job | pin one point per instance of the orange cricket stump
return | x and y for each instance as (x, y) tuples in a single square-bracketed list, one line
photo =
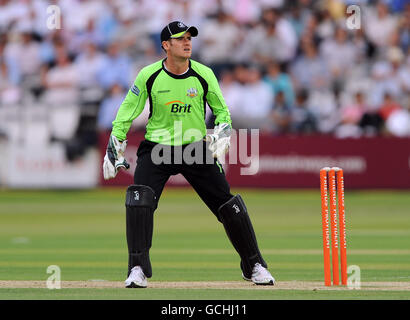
[(325, 224), (333, 224), (342, 225)]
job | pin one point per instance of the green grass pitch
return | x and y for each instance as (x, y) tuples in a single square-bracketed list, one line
[(83, 232)]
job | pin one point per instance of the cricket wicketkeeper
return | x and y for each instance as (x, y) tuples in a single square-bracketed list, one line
[(178, 90)]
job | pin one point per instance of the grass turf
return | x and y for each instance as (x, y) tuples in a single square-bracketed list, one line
[(83, 232)]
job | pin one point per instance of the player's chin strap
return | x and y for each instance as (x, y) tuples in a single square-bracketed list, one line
[(238, 226), (220, 140)]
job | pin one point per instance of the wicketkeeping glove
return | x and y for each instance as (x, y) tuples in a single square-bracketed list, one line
[(114, 158), (220, 140)]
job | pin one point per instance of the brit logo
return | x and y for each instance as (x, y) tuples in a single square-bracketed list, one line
[(135, 90), (136, 195), (192, 93), (181, 25), (237, 210)]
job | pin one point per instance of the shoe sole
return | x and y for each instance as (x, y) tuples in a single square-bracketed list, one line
[(270, 283), (134, 285)]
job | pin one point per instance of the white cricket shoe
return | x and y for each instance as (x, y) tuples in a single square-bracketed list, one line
[(136, 279), (261, 276)]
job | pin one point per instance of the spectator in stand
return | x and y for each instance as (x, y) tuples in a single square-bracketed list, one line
[(274, 39), (400, 72), (246, 12), (77, 14), (396, 119), (115, 68), (256, 100), (10, 92), (26, 14), (264, 44), (281, 115), (88, 64), (340, 56), (388, 106), (15, 15), (397, 6), (89, 34), (398, 123), (109, 107), (191, 12), (404, 30), (371, 123), (309, 71), (236, 86), (297, 20), (323, 103), (130, 28), (60, 82), (26, 51), (324, 27), (336, 9), (10, 64), (158, 13), (303, 121), (5, 18), (310, 29), (351, 114), (219, 39), (379, 25), (384, 79), (107, 22), (404, 76), (232, 91), (362, 48), (286, 34), (280, 81)]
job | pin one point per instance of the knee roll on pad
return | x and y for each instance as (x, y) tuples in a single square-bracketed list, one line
[(140, 196), (238, 226), (140, 204)]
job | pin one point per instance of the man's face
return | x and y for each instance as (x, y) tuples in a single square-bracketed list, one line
[(180, 47)]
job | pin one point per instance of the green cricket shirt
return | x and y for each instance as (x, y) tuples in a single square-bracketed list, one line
[(177, 104)]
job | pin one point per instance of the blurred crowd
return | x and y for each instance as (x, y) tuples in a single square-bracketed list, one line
[(285, 67)]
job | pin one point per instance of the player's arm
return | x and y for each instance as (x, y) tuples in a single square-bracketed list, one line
[(130, 108), (216, 100), (220, 139)]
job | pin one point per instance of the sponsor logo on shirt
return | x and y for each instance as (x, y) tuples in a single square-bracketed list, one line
[(135, 90), (179, 107)]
